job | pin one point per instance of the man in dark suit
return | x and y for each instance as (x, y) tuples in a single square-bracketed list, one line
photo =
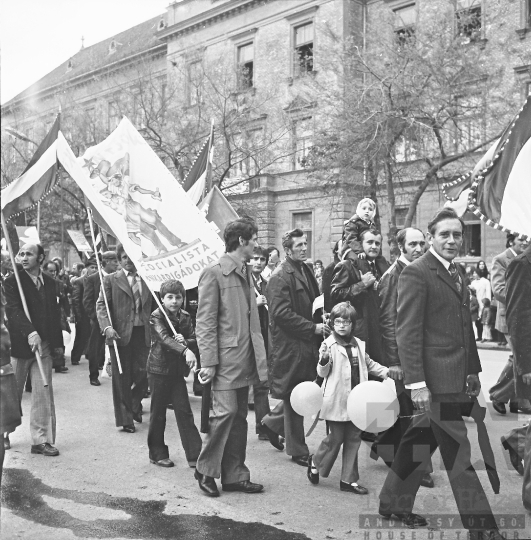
[(519, 325), (504, 390), (130, 305), (43, 334), (440, 360), (96, 344), (355, 280), (82, 320), (411, 242), (294, 339)]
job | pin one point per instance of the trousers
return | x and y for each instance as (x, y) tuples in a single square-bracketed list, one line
[(42, 412), (344, 434), (129, 388), (225, 445), (172, 389), (442, 427)]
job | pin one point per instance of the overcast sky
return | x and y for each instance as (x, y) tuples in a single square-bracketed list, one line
[(38, 35)]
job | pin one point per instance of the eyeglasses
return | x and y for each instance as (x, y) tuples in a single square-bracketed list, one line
[(341, 322)]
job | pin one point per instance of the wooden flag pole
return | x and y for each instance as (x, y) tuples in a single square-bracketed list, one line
[(21, 292), (91, 223)]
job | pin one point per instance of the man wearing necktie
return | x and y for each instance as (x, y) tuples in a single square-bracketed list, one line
[(232, 357), (441, 364), (130, 305), (42, 333), (355, 280)]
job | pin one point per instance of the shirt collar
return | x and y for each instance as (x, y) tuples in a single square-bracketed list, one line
[(36, 278), (403, 259), (444, 262), (237, 260)]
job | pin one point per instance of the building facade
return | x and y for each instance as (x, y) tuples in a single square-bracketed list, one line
[(253, 66)]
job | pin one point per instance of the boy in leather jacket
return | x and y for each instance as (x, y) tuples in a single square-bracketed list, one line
[(170, 359)]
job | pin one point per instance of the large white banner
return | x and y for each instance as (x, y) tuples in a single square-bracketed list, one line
[(149, 212)]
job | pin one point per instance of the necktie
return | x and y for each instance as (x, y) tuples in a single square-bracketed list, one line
[(373, 268), (244, 271), (455, 276), (136, 293), (39, 283)]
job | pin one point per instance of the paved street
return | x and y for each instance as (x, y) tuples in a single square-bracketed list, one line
[(103, 486)]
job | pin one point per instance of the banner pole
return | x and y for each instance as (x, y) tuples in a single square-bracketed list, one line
[(91, 223), (21, 292)]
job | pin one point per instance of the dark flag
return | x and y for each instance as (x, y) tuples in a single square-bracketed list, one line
[(38, 179)]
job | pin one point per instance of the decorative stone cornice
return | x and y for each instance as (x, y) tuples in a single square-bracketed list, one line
[(202, 20)]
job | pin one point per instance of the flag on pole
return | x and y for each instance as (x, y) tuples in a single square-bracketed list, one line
[(161, 229), (501, 193), (198, 178), (38, 179), (218, 210)]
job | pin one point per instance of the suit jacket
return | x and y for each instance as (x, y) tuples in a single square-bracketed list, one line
[(497, 279), (45, 317), (348, 286), (91, 293), (122, 307), (388, 293), (293, 345), (434, 329), (228, 326), (519, 317), (77, 299)]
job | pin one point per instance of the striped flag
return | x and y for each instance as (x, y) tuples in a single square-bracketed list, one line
[(38, 179), (501, 193), (197, 180)]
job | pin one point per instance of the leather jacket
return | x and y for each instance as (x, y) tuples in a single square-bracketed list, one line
[(164, 348)]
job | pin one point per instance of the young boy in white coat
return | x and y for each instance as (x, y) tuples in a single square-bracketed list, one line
[(343, 364)]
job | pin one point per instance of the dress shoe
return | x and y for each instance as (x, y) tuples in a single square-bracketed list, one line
[(516, 462), (368, 437), (263, 437), (137, 417), (274, 439), (515, 407), (300, 460), (46, 449), (357, 489), (75, 363), (427, 481), (245, 486), (95, 382), (62, 369), (313, 477), (169, 406), (207, 484), (485, 534), (129, 428), (7, 442), (499, 407), (162, 462), (408, 519)]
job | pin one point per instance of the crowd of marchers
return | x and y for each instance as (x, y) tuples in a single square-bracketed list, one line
[(257, 329)]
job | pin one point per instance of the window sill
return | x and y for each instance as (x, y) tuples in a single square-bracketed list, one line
[(522, 32), (294, 78), (251, 91)]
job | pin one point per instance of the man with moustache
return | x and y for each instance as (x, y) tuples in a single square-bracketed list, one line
[(411, 242), (96, 344), (355, 280), (43, 334), (438, 354), (130, 305)]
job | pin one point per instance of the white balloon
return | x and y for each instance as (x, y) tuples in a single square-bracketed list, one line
[(66, 338), (307, 398), (372, 406)]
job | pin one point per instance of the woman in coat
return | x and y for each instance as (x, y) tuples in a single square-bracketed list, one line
[(343, 364)]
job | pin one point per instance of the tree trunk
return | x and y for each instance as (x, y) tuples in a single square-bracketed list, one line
[(393, 230)]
